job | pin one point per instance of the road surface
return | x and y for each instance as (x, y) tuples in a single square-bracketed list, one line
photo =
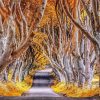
[(41, 85), (41, 89)]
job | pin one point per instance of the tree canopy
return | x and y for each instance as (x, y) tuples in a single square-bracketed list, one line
[(63, 34)]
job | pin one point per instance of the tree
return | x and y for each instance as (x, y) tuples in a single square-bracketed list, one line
[(12, 22)]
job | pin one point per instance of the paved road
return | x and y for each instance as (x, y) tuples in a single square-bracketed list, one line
[(41, 90), (46, 98), (41, 85)]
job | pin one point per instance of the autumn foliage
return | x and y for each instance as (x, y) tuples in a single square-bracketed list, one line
[(70, 90), (15, 89), (61, 34)]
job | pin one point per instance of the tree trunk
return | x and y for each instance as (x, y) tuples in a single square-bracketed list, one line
[(88, 70), (5, 75)]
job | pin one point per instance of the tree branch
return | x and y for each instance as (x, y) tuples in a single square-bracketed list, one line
[(95, 13), (89, 36), (24, 46)]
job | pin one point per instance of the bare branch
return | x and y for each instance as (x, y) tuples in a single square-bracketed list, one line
[(95, 13), (88, 35)]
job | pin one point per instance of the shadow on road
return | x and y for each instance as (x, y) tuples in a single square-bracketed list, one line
[(42, 81)]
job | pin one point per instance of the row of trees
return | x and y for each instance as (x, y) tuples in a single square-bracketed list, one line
[(19, 19), (73, 44), (71, 35)]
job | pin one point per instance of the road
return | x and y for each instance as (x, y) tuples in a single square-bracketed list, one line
[(41, 85), (41, 89)]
